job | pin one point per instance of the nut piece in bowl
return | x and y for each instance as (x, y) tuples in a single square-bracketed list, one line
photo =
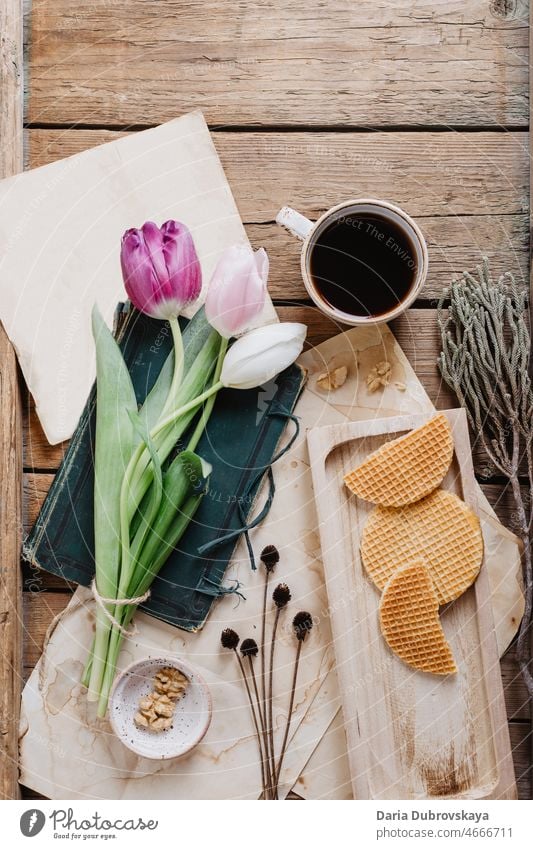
[(160, 708)]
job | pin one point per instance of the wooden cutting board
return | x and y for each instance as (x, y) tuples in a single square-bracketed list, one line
[(410, 735)]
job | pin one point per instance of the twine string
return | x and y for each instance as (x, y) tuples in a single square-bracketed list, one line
[(102, 603)]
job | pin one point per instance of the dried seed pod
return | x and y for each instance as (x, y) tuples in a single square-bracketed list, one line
[(302, 624), (249, 647), (229, 638), (281, 595), (270, 556)]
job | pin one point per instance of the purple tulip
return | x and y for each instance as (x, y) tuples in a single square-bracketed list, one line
[(237, 289), (161, 269)]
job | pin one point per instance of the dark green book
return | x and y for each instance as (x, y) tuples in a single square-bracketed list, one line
[(241, 440)]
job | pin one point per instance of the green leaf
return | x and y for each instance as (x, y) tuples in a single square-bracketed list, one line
[(166, 545), (156, 490), (186, 476), (195, 336), (115, 441)]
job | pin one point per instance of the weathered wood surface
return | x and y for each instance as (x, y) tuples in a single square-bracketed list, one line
[(280, 62), (11, 162), (468, 192)]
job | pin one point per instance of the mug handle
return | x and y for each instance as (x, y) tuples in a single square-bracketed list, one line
[(298, 225)]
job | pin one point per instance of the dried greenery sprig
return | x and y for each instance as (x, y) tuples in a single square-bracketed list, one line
[(485, 359)]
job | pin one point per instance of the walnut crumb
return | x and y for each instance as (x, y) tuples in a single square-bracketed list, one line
[(379, 376), (334, 379), (156, 710), (401, 387), (170, 682)]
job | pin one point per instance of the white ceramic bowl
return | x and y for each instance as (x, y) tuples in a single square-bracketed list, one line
[(192, 714)]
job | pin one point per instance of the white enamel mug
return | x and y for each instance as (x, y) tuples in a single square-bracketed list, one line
[(309, 232)]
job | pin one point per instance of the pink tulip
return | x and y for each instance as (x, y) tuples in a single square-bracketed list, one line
[(161, 269), (237, 290)]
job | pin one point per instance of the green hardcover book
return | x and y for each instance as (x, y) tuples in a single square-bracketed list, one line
[(242, 438)]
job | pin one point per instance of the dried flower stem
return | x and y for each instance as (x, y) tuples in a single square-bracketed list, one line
[(266, 786), (269, 559), (270, 723), (289, 715), (263, 664), (265, 750), (485, 360)]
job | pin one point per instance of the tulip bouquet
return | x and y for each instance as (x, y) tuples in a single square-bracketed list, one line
[(149, 480)]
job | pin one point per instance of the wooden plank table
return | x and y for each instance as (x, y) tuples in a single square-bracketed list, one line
[(422, 102), (11, 162)]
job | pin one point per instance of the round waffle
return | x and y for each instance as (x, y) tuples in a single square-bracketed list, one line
[(406, 469), (440, 530), (409, 618)]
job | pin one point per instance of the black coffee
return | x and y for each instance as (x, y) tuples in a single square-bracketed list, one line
[(364, 264)]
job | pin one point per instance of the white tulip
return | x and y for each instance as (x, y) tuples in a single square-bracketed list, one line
[(262, 353)]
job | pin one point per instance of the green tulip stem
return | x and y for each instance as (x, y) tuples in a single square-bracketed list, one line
[(210, 403), (125, 552), (195, 402), (139, 586), (167, 439), (138, 468), (179, 357)]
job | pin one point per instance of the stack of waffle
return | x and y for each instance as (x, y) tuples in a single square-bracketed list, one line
[(422, 546)]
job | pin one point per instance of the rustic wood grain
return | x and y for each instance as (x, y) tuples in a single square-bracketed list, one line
[(11, 162), (434, 174), (280, 63), (10, 578), (516, 695), (121, 64), (520, 733), (469, 193)]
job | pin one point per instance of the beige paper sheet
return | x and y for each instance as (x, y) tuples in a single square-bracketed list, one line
[(316, 764), (60, 232)]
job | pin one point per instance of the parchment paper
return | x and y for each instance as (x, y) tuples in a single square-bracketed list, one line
[(60, 232)]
